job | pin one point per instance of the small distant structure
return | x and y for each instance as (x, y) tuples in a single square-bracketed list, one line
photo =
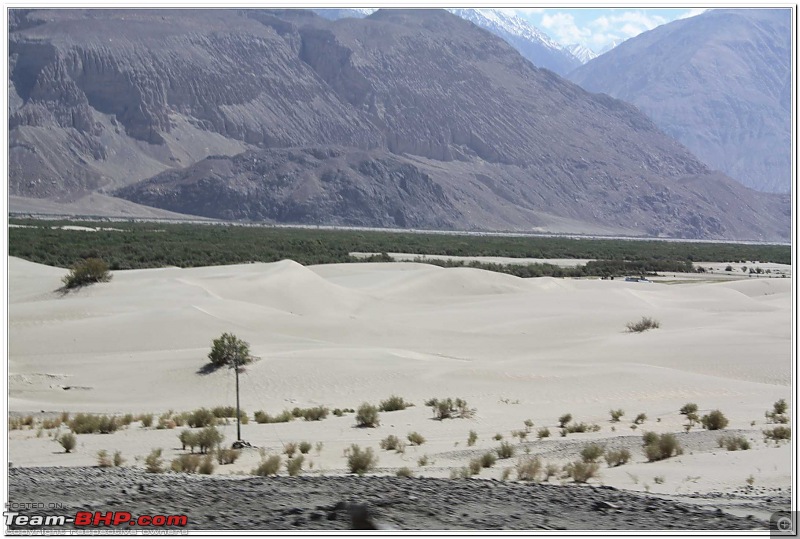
[(637, 280)]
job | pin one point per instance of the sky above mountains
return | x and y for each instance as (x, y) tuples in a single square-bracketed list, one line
[(599, 28)]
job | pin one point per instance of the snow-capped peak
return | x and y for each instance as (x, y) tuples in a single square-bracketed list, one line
[(580, 52), (501, 21)]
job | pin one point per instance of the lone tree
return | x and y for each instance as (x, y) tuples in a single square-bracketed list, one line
[(229, 350), (88, 271)]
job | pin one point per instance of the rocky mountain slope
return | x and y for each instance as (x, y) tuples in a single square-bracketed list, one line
[(719, 82), (404, 118)]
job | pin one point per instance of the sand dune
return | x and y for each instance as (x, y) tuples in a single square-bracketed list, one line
[(340, 335)]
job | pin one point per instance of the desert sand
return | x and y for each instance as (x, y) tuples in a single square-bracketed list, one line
[(340, 335)]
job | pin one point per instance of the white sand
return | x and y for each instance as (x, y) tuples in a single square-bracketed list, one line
[(339, 335)]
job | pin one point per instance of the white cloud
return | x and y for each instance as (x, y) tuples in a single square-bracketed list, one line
[(617, 27), (693, 13), (563, 28)]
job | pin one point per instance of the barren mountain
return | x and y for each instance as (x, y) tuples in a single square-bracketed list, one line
[(719, 82), (404, 118)]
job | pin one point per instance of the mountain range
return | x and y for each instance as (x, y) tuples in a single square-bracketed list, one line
[(719, 82), (404, 118)]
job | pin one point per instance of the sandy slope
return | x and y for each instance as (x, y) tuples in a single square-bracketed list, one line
[(339, 335)]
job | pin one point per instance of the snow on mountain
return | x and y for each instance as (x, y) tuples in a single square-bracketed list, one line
[(580, 52), (531, 42)]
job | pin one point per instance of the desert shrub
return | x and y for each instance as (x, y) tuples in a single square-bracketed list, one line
[(85, 272), (393, 404), (153, 463), (68, 441), (390, 443), (295, 465), (126, 420), (714, 420), (208, 439), (521, 434), (642, 325), (475, 466), (662, 447), (118, 460), (201, 418), (367, 416), (227, 456), (461, 473), (223, 411), (404, 472), (103, 459), (416, 438), (780, 407), (187, 438), (262, 417), (778, 433), (580, 471), (592, 452), (641, 418), (268, 466), (206, 466), (733, 443), (472, 438), (550, 470), (89, 423), (338, 412), (778, 413), (51, 423), (449, 408), (617, 457), (304, 447), (505, 451), (529, 468), (649, 437), (564, 419), (688, 408), (497, 437), (616, 414), (290, 448), (227, 350), (488, 459), (543, 433), (317, 413), (185, 464), (165, 424), (579, 427), (361, 461), (423, 460)]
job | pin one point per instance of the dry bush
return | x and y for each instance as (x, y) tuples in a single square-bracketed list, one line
[(404, 472), (580, 471), (317, 413), (564, 419), (475, 466), (714, 420), (505, 451), (551, 470), (461, 473), (616, 414), (118, 460), (185, 464), (662, 447), (488, 459), (733, 443), (529, 468), (423, 460), (688, 408), (227, 456), (153, 463), (85, 272), (450, 408), (262, 417), (592, 452), (90, 423), (268, 466), (394, 403), (778, 433), (361, 461), (290, 448), (642, 325), (103, 459), (295, 465), (473, 437), (208, 439), (367, 416), (206, 466), (416, 438), (199, 418), (68, 441), (147, 420), (390, 443), (617, 457), (543, 433), (778, 413)]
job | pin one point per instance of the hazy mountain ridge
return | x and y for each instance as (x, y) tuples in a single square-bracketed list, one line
[(422, 119), (719, 82)]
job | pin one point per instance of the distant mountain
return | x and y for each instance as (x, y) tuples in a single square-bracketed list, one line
[(335, 14), (405, 118), (719, 82), (580, 52), (531, 42)]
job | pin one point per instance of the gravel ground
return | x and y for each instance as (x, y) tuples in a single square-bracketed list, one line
[(345, 502)]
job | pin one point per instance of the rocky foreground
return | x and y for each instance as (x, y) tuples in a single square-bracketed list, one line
[(348, 502)]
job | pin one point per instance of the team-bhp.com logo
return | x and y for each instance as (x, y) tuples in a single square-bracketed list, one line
[(89, 519)]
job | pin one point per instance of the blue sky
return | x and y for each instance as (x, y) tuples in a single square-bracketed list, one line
[(596, 28)]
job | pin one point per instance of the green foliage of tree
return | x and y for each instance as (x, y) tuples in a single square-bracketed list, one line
[(228, 350)]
